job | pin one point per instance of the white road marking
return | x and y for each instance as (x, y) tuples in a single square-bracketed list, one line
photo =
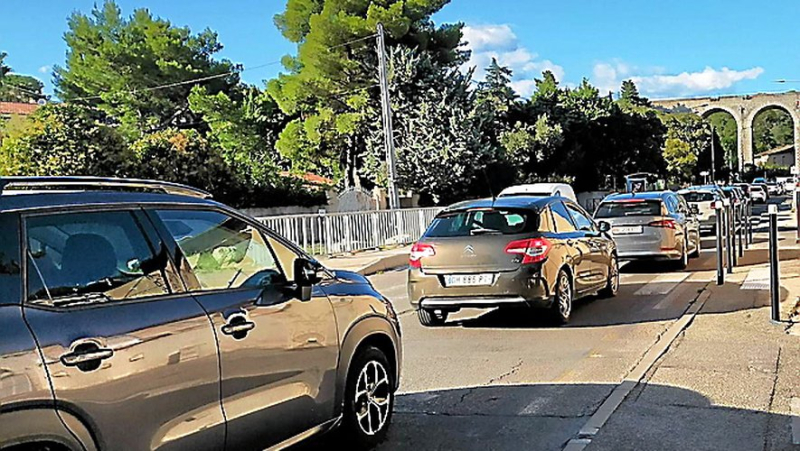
[(629, 382), (757, 279), (795, 406), (662, 284)]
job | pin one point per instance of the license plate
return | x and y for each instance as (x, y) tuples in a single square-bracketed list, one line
[(630, 230), (468, 280)]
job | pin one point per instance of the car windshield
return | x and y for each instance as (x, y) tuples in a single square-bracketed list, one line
[(631, 207), (484, 221), (698, 196)]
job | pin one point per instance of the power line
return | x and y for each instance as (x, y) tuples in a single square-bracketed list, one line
[(212, 77)]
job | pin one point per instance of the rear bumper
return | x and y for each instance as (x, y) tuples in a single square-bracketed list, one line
[(525, 286)]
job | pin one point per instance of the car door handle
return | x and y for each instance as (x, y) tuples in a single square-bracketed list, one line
[(81, 357), (239, 328)]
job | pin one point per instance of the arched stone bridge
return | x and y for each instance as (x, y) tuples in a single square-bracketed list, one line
[(744, 110)]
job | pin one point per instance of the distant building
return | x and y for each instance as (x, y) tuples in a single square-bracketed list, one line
[(779, 156), (8, 109)]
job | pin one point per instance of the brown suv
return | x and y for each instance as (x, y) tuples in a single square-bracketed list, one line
[(536, 251), (164, 320)]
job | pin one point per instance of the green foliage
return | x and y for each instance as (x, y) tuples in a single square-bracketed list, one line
[(112, 62), (63, 139), (771, 129), (4, 69), (244, 130), (330, 82), (688, 138), (727, 130), (20, 88)]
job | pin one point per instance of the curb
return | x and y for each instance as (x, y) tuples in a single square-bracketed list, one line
[(383, 264)]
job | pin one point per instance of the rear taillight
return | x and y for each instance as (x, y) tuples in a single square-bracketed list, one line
[(664, 223), (534, 250), (418, 252)]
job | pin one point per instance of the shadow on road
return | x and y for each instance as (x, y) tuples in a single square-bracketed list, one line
[(547, 416)]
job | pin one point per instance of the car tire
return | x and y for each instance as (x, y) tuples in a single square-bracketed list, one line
[(368, 403), (430, 318), (612, 284), (684, 260), (561, 308), (696, 252)]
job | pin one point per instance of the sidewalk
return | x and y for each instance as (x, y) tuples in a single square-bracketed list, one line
[(730, 381), (369, 262)]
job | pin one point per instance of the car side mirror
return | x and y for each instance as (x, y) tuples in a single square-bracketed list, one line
[(306, 275), (604, 226)]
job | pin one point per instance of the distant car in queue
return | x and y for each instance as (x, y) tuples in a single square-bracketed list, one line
[(656, 225), (543, 252), (702, 201)]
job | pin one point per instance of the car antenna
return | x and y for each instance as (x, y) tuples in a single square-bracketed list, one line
[(488, 185)]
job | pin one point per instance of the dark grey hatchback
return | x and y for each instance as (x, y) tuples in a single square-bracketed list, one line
[(166, 321)]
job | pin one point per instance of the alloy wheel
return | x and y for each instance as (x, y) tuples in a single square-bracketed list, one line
[(564, 296), (372, 398)]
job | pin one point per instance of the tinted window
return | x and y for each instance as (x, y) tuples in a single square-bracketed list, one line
[(9, 259), (546, 219), (699, 196), (474, 222), (91, 257), (635, 207), (562, 218), (223, 252), (580, 219)]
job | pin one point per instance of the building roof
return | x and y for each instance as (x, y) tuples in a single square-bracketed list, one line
[(789, 148), (17, 108)]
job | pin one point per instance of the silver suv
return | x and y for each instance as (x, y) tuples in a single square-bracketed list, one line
[(164, 320)]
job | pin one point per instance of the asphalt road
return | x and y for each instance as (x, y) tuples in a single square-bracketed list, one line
[(508, 380)]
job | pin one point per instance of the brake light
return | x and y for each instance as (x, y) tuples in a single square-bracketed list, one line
[(534, 250), (418, 252), (664, 223)]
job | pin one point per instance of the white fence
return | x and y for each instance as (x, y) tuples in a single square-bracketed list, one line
[(336, 233)]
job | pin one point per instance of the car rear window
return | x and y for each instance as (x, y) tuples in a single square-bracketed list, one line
[(624, 208), (483, 221), (698, 196)]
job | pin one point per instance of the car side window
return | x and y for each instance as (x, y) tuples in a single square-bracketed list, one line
[(546, 221), (583, 222), (222, 251), (91, 257), (562, 218), (9, 259)]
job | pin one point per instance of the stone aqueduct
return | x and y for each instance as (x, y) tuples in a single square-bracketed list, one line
[(744, 110)]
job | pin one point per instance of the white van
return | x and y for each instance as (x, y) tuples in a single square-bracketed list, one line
[(540, 189)]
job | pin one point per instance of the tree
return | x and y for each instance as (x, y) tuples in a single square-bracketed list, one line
[(244, 128), (687, 147), (64, 140), (771, 129), (113, 64), (331, 80), (629, 95), (16, 87), (443, 149)]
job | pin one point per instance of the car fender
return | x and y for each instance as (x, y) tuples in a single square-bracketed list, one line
[(366, 328), (36, 424)]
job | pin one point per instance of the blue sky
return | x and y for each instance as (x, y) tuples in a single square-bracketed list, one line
[(670, 48)]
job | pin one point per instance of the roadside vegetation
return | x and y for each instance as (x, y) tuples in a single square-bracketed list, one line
[(455, 137)]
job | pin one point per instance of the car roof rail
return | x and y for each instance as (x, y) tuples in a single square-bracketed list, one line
[(100, 182)]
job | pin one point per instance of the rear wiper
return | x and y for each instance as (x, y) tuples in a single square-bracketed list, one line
[(483, 231)]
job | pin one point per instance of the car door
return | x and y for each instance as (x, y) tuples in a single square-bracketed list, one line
[(125, 347), (278, 353), (599, 249), (579, 246)]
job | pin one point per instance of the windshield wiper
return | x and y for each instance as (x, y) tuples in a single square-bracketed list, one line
[(483, 231)]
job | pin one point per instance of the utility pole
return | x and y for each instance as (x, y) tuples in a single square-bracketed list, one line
[(388, 132)]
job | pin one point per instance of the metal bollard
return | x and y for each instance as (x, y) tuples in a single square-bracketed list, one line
[(740, 234), (719, 229), (774, 273), (734, 254), (727, 230)]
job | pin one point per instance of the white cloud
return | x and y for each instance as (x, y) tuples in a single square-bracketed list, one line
[(499, 41), (45, 69), (654, 82)]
